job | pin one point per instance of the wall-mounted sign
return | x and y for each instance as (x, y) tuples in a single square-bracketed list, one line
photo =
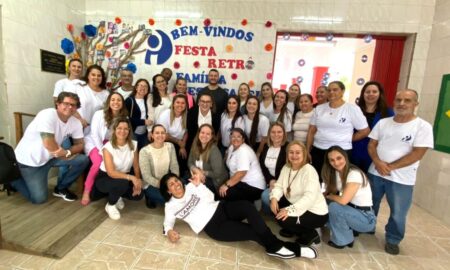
[(53, 62)]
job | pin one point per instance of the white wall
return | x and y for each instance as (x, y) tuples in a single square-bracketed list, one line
[(27, 27)]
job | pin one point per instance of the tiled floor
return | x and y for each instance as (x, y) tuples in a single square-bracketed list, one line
[(136, 242)]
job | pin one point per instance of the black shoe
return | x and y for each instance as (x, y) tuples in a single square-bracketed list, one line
[(308, 242), (392, 249), (332, 244), (286, 233), (65, 194), (282, 253), (355, 233)]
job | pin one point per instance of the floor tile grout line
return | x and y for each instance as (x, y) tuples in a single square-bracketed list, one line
[(186, 263)]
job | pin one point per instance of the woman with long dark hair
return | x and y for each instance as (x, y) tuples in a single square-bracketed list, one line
[(256, 125), (159, 100), (230, 119)]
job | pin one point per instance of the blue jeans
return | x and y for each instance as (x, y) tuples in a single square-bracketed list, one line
[(265, 202), (153, 194), (34, 182), (343, 219), (62, 170), (399, 199)]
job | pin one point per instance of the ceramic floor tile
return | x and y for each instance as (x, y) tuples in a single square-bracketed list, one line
[(37, 262), (200, 264), (12, 259), (160, 243), (250, 253), (131, 236), (317, 264), (421, 247), (444, 243), (117, 255), (210, 249), (387, 261), (159, 260)]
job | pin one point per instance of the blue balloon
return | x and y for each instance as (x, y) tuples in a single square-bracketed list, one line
[(90, 30), (131, 67), (67, 46)]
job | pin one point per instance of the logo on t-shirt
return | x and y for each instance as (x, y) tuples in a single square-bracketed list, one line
[(189, 207), (407, 138), (342, 120)]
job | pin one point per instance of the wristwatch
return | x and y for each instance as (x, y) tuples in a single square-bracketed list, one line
[(68, 154)]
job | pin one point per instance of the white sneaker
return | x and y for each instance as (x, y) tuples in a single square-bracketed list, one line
[(112, 211), (282, 253), (308, 252), (120, 204)]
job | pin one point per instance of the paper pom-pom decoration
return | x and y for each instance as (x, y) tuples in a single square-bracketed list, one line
[(77, 39), (176, 65), (99, 46), (251, 83), (151, 21), (268, 47), (234, 76), (360, 81), (207, 22), (118, 20), (229, 48), (268, 24), (448, 113), (67, 46), (269, 75), (244, 22), (131, 67), (108, 85), (329, 37), (196, 64), (301, 62), (70, 27), (76, 55), (83, 35), (368, 38), (107, 54), (90, 30), (178, 22), (126, 45), (110, 39), (101, 29), (364, 58)]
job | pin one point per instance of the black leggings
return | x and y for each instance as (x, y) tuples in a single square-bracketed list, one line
[(226, 225), (303, 226), (113, 188), (243, 191)]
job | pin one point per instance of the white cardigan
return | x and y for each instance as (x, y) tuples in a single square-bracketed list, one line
[(97, 134)]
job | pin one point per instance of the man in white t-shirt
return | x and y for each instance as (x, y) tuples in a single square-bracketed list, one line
[(126, 79), (167, 74), (40, 149), (396, 147)]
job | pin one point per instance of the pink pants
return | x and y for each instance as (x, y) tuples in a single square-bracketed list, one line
[(96, 160)]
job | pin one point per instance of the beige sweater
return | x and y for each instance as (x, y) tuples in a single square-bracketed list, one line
[(148, 159), (305, 191)]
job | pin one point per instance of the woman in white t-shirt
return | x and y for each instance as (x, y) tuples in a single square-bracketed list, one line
[(155, 160), (92, 95), (70, 83), (333, 123), (159, 100), (99, 134), (266, 97), (350, 198), (246, 178), (302, 117), (113, 180), (256, 125), (136, 104), (174, 120), (294, 93), (230, 119), (280, 111)]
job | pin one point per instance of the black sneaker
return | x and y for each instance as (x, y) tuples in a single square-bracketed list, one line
[(282, 253), (65, 194), (392, 249)]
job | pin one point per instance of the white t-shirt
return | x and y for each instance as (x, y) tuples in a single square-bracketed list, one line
[(141, 129), (66, 85), (287, 120), (196, 208), (207, 119), (301, 125), (244, 159), (124, 93), (98, 133), (175, 129), (291, 107), (225, 127), (31, 151), (363, 196), (335, 125), (395, 140), (271, 159), (91, 101), (267, 111), (263, 126), (123, 157)]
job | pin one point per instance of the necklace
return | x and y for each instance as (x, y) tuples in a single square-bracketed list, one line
[(290, 181)]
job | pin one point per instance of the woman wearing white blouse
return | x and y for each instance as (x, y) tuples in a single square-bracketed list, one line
[(230, 119), (302, 117), (159, 100), (266, 106)]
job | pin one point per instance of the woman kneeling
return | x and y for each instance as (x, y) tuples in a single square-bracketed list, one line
[(222, 221)]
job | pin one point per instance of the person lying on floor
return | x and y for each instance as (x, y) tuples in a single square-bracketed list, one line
[(222, 221)]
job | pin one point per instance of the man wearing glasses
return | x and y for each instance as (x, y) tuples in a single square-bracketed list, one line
[(40, 149)]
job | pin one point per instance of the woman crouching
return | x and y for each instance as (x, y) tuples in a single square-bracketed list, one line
[(222, 221)]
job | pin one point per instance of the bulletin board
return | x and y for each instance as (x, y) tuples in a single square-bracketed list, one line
[(442, 121)]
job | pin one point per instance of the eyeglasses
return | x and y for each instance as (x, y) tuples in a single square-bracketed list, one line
[(68, 104)]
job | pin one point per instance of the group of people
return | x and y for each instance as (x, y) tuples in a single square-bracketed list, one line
[(313, 161)]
